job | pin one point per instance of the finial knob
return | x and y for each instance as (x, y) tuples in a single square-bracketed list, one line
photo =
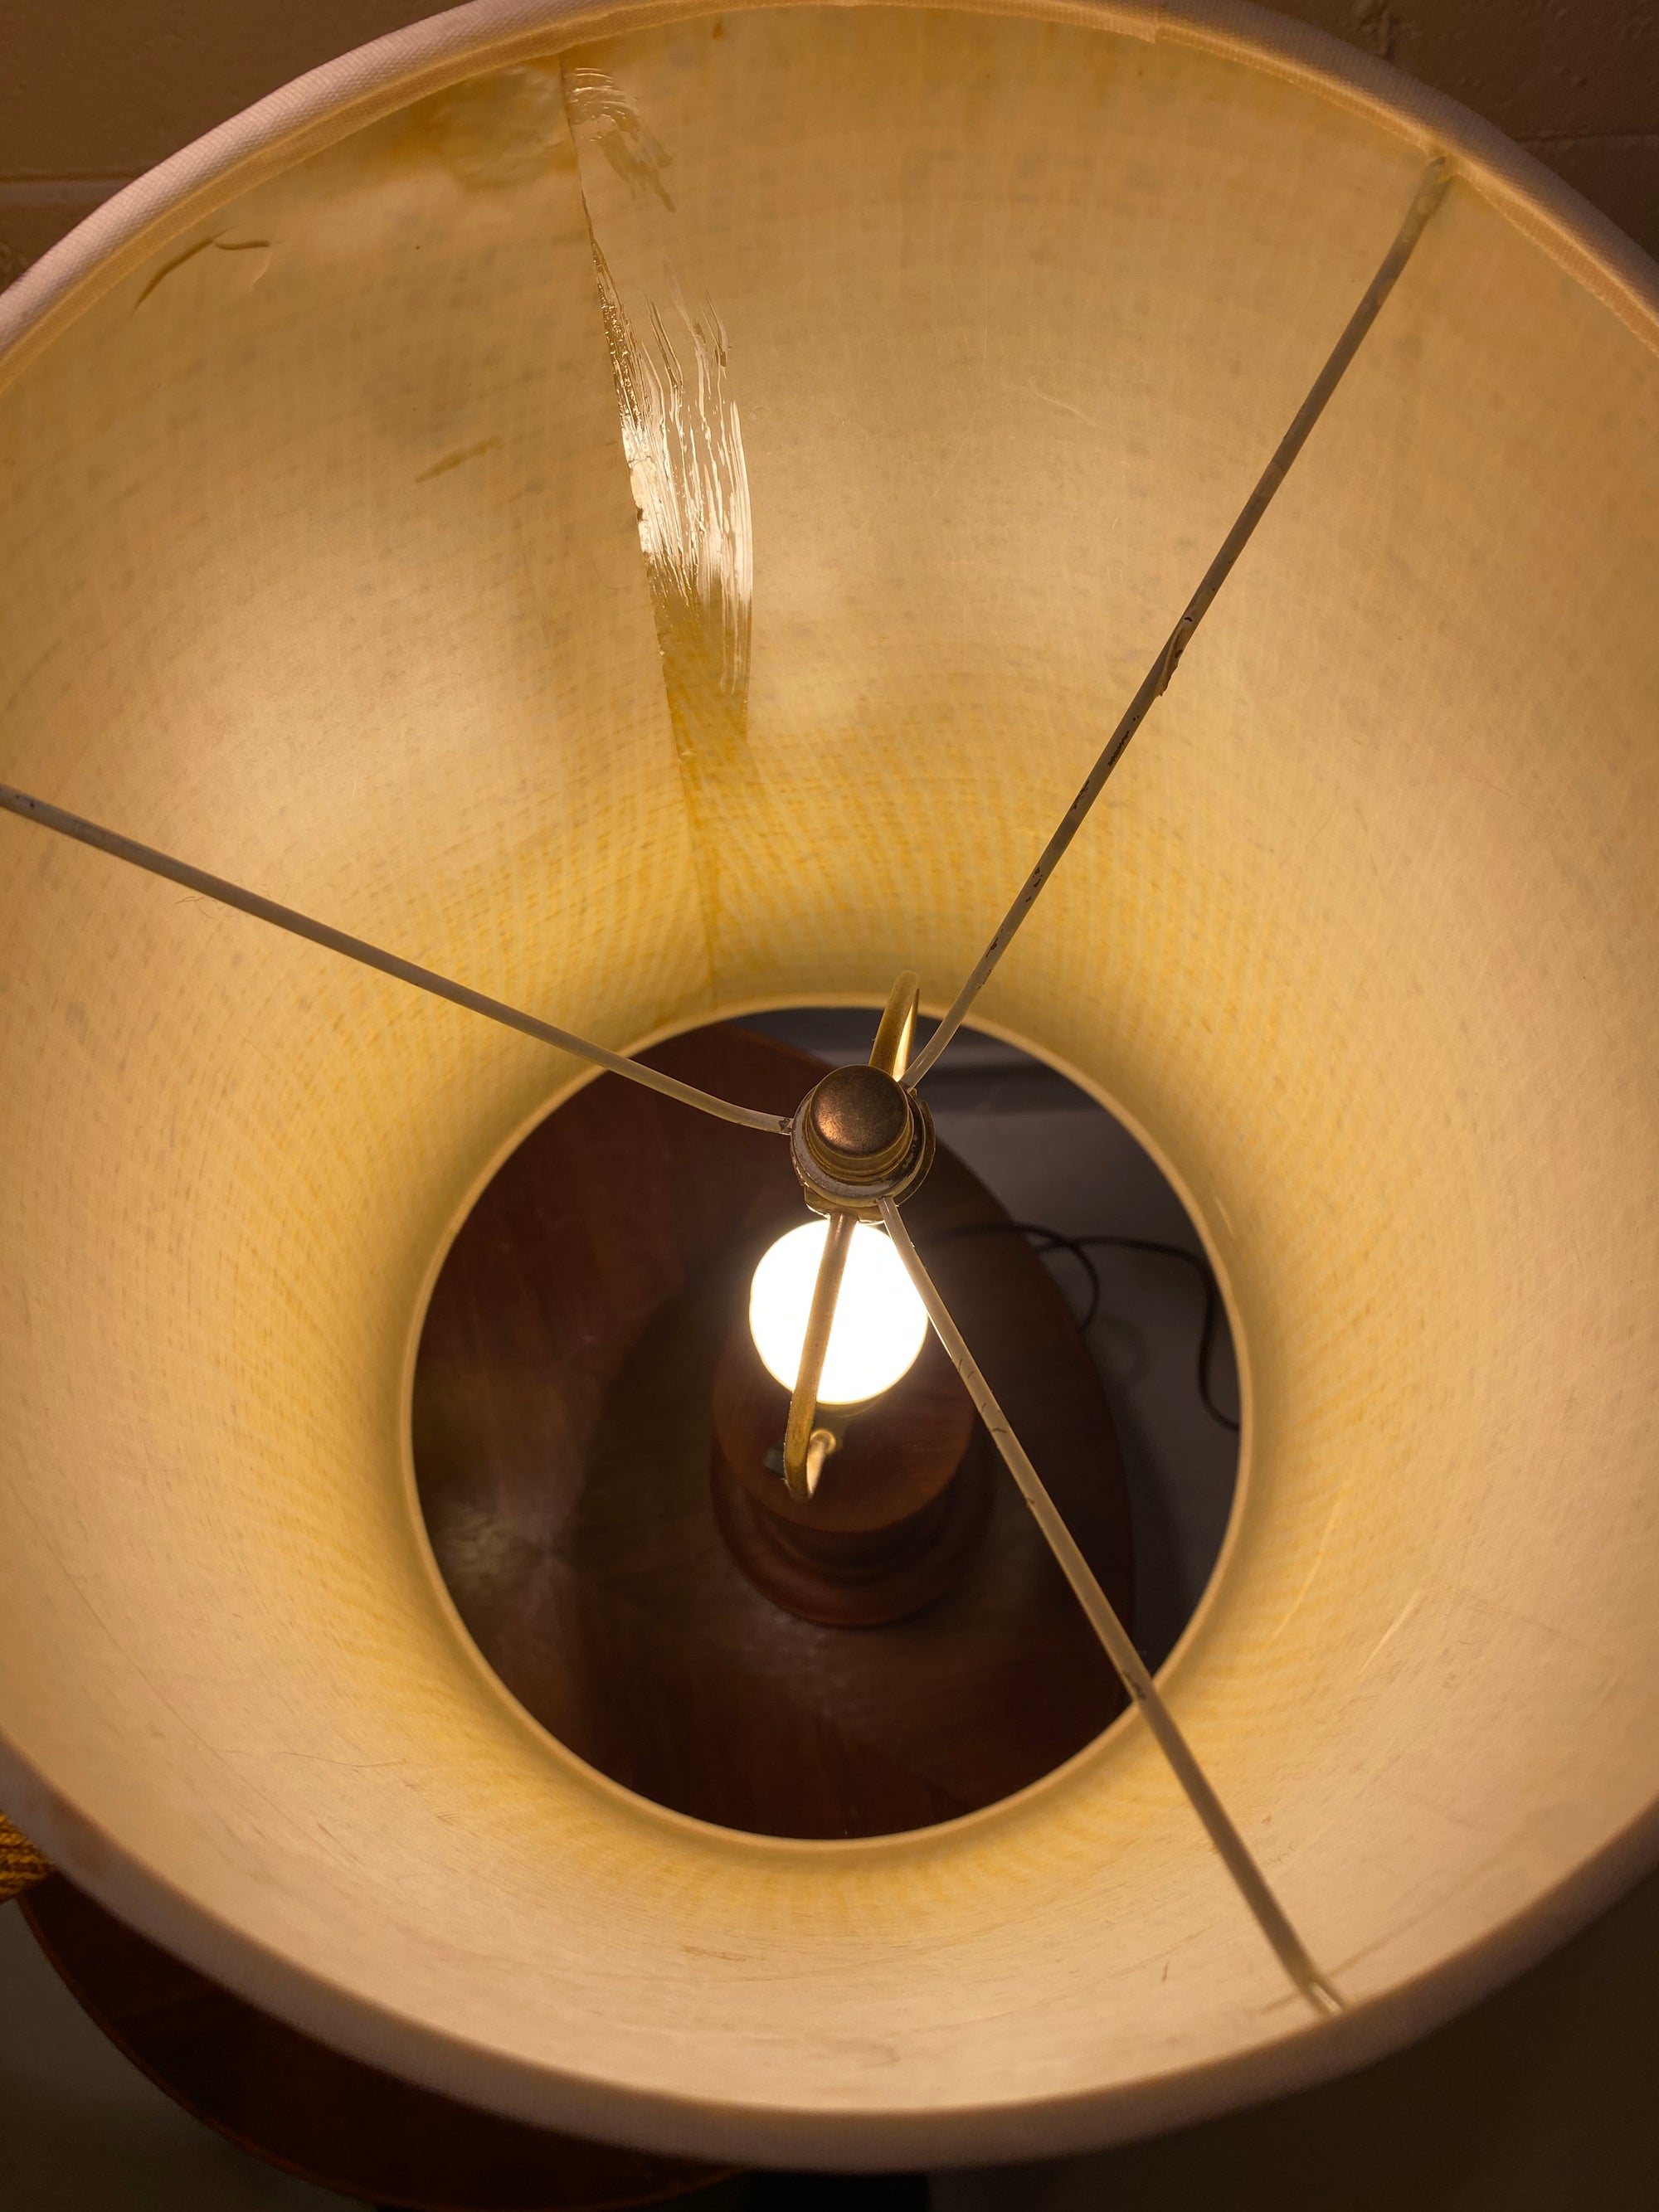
[(858, 1124), (859, 1137)]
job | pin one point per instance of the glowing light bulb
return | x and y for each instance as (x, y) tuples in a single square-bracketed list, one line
[(880, 1322)]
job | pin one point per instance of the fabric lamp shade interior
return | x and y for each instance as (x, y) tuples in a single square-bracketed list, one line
[(653, 514)]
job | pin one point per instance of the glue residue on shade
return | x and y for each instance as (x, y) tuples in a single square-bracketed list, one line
[(598, 108), (494, 131), (683, 444), (680, 427), (681, 441)]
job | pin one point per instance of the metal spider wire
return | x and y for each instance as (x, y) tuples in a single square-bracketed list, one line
[(1235, 1853), (1430, 191)]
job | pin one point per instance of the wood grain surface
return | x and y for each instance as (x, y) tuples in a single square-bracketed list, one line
[(291, 2101)]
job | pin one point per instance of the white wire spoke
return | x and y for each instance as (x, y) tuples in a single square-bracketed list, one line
[(1156, 682), (370, 956), (1235, 1854)]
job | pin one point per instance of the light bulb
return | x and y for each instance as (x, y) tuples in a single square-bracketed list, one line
[(880, 1322)]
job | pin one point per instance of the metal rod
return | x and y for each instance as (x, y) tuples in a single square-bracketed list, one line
[(1156, 682), (820, 1319), (890, 1052), (1235, 1854), (370, 956)]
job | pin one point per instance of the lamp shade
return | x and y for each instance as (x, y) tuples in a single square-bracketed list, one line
[(653, 514)]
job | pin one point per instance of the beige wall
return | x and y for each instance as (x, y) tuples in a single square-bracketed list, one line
[(92, 91)]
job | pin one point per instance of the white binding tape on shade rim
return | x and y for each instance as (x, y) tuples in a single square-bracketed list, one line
[(342, 96)]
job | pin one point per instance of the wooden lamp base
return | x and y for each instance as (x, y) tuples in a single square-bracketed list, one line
[(331, 2120), (903, 1651), (903, 1500), (855, 1582)]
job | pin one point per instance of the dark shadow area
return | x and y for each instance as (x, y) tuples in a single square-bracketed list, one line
[(1541, 2099), (838, 2192)]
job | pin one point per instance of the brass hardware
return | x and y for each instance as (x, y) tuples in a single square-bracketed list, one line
[(854, 1184), (857, 1126), (804, 1398), (819, 1445), (857, 1138), (890, 1052)]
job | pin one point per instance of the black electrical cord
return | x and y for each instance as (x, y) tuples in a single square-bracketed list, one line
[(1057, 1240)]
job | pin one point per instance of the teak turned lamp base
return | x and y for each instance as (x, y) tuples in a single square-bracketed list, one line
[(903, 1500), (899, 1652), (333, 2120)]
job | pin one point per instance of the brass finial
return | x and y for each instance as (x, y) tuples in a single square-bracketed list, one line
[(858, 1137)]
